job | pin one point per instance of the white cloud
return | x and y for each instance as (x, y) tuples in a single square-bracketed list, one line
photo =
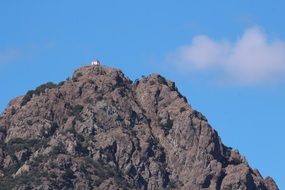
[(252, 59)]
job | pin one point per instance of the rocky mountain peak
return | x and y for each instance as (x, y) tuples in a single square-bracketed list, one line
[(100, 130), (99, 71)]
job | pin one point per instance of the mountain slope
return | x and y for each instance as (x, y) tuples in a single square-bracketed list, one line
[(99, 130)]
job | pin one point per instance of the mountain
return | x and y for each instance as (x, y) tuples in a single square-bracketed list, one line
[(100, 130)]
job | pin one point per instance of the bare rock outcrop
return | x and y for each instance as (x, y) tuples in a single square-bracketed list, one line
[(100, 130)]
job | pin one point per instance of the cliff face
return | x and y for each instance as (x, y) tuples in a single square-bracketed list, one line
[(99, 130)]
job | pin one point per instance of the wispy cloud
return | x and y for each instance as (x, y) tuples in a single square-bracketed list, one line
[(24, 52), (251, 59), (8, 55)]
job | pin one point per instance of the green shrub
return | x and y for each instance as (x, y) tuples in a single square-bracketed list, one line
[(98, 182), (182, 109), (61, 83), (28, 142), (40, 89), (58, 149), (169, 124), (53, 175), (17, 144), (171, 185), (13, 110), (3, 130), (39, 158), (81, 149), (29, 122), (27, 97), (83, 169), (68, 174), (77, 109), (53, 164), (39, 143), (49, 131)]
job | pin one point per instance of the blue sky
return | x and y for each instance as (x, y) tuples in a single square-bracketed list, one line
[(226, 57)]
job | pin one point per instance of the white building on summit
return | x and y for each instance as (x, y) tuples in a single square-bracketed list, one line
[(95, 62)]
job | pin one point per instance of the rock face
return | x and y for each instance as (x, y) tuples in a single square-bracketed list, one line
[(100, 130)]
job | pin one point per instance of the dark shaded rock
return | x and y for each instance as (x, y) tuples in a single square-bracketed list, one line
[(270, 183)]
